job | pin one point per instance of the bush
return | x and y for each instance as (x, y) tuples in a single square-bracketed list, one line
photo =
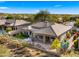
[(25, 44), (3, 39), (55, 44), (76, 44), (68, 34), (4, 52)]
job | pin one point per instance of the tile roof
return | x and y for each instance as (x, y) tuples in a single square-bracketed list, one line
[(60, 28)]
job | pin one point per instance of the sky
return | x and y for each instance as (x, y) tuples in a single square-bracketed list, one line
[(32, 7)]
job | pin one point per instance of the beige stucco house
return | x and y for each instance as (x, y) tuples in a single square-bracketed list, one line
[(46, 32), (17, 24)]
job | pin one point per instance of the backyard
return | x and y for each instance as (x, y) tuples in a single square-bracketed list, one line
[(15, 48)]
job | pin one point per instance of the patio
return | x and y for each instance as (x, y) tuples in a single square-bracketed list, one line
[(38, 44)]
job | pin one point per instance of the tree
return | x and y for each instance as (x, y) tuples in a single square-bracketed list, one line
[(43, 15), (75, 44), (64, 44), (9, 17), (77, 23), (75, 37), (66, 18), (55, 44)]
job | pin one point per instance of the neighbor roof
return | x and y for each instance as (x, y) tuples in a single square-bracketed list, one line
[(20, 22), (2, 22), (69, 23)]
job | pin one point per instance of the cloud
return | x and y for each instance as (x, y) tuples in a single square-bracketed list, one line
[(58, 5), (2, 1), (4, 8)]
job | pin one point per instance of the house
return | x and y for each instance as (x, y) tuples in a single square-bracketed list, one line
[(3, 17), (69, 23), (2, 22), (16, 25), (46, 32)]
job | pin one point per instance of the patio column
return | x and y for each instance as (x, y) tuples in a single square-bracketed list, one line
[(44, 38), (33, 35)]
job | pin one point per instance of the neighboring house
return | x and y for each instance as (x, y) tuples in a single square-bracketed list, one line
[(2, 17), (16, 25), (2, 22), (46, 32), (70, 24), (73, 18)]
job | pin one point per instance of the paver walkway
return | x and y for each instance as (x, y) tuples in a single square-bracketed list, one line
[(70, 42)]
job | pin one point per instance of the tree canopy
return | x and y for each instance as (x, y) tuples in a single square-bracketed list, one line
[(9, 17), (43, 15)]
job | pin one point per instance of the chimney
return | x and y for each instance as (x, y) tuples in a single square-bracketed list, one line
[(47, 24)]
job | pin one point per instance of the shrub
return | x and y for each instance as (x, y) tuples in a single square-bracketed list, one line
[(55, 44), (64, 44), (25, 44), (68, 34), (4, 52), (75, 43)]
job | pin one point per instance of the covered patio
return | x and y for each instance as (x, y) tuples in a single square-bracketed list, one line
[(44, 35), (43, 38)]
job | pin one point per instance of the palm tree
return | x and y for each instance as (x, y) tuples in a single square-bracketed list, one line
[(43, 15)]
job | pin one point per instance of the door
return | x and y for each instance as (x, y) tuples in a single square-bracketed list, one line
[(47, 39)]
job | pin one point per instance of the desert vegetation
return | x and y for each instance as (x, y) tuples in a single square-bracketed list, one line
[(14, 48), (42, 15)]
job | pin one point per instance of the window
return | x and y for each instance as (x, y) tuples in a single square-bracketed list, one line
[(41, 37), (14, 28)]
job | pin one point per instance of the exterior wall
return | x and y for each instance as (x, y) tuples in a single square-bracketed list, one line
[(42, 38)]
